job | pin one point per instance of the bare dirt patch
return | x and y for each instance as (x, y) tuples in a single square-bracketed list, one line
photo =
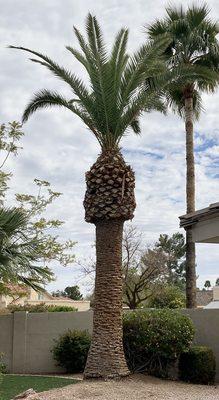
[(135, 387)]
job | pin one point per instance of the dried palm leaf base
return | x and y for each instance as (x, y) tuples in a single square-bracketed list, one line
[(110, 189)]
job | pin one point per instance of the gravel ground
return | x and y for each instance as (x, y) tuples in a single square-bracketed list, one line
[(136, 387)]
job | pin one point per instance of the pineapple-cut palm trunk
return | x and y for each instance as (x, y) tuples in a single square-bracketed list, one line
[(109, 201), (190, 201), (106, 356)]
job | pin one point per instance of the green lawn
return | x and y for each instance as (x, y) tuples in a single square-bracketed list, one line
[(11, 385)]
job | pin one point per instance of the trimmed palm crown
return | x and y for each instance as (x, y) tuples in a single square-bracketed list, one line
[(194, 46), (118, 92)]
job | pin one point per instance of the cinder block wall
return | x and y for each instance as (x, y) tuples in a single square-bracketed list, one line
[(6, 339), (26, 339), (206, 323)]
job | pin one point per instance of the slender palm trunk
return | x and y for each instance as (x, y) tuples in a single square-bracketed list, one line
[(190, 202), (106, 356)]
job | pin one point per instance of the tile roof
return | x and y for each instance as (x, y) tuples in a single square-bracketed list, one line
[(204, 297)]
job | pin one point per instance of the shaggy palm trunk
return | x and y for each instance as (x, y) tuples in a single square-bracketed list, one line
[(190, 201), (109, 201), (106, 357)]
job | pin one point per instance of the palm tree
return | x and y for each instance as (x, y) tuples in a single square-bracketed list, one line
[(193, 47), (118, 93), (18, 255)]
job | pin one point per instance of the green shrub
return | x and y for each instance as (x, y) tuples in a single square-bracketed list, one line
[(168, 297), (197, 365), (3, 368), (71, 349), (154, 339), (42, 307), (52, 308)]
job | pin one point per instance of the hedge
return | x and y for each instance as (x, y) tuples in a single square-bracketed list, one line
[(198, 365), (154, 339)]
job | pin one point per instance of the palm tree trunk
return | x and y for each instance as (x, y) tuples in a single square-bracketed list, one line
[(190, 202), (106, 356), (109, 201)]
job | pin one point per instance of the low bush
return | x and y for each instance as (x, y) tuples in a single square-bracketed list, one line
[(169, 296), (3, 369), (52, 308), (154, 339), (42, 307), (71, 349), (197, 365)]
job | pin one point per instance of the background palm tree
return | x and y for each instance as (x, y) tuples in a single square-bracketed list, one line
[(118, 93), (18, 255), (193, 47)]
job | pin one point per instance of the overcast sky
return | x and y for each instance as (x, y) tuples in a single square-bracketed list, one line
[(58, 148)]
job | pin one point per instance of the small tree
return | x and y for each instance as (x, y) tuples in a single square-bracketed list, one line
[(207, 284), (10, 134), (217, 282), (50, 247), (169, 296), (142, 269), (72, 292), (25, 224), (174, 249), (146, 270), (18, 250)]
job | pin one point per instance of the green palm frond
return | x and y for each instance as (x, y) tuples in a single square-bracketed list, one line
[(78, 56), (135, 125), (95, 40), (11, 221), (158, 28), (118, 61), (75, 83), (175, 99), (118, 90), (145, 63), (18, 253), (197, 14), (175, 13)]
